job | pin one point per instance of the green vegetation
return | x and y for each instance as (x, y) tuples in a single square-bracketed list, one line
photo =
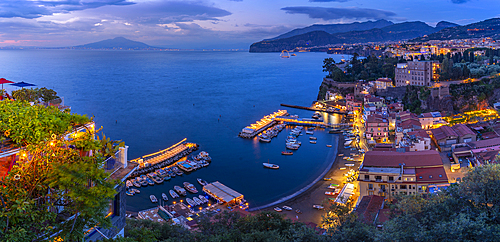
[(411, 100), (53, 188), (467, 65), (468, 96), (35, 95), (370, 68)]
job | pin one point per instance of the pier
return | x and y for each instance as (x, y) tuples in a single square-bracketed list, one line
[(310, 122), (313, 109), (261, 125)]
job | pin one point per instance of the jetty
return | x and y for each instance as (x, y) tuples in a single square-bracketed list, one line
[(261, 125), (314, 109)]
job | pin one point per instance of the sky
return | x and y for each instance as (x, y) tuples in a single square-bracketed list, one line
[(207, 24)]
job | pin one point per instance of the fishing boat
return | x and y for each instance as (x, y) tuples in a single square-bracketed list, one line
[(129, 193), (164, 196), (197, 201), (190, 202), (203, 199), (286, 153), (180, 190), (271, 166), (190, 187), (135, 190), (153, 198), (278, 209), (173, 194), (319, 207), (202, 182), (312, 141), (287, 208)]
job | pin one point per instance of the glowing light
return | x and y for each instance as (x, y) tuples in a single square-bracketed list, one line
[(174, 202)]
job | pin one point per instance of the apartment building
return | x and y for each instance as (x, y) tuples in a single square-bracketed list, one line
[(416, 73)]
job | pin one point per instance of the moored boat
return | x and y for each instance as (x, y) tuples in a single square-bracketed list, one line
[(173, 194), (136, 183), (129, 193), (128, 183), (203, 199), (278, 209), (312, 141), (190, 187), (318, 207), (286, 153), (202, 182), (164, 196), (328, 146), (150, 181), (287, 208), (313, 138), (153, 198), (190, 202), (180, 190), (271, 166), (135, 190), (197, 201)]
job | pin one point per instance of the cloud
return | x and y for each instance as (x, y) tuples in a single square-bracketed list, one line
[(325, 1), (35, 9), (459, 1), (340, 13)]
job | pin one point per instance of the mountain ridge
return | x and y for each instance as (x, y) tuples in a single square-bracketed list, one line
[(116, 43)]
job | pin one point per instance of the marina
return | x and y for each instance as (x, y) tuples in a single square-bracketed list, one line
[(259, 126)]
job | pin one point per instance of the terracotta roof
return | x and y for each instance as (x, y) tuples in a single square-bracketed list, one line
[(462, 130), (426, 115), (427, 158), (484, 143), (376, 118), (410, 124), (369, 207), (431, 175), (419, 133), (444, 132)]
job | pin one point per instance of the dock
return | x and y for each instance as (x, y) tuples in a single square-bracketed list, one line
[(310, 122), (312, 109), (261, 125)]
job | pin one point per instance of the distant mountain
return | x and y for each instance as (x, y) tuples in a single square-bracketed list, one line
[(394, 32), (336, 28), (444, 24), (486, 28), (116, 43)]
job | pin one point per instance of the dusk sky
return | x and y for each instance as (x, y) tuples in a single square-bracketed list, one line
[(209, 23)]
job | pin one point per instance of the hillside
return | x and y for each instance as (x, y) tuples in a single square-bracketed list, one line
[(336, 28), (116, 43), (486, 28), (395, 32)]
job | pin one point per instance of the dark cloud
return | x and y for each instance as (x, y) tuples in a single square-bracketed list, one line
[(340, 13), (35, 9), (459, 1), (324, 1)]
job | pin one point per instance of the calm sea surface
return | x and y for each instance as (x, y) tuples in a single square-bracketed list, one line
[(152, 99)]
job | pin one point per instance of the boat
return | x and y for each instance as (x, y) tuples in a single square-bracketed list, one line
[(265, 140), (313, 138), (153, 198), (330, 193), (292, 147), (136, 183), (309, 132), (312, 141), (327, 179), (190, 187), (173, 194), (177, 171), (341, 155), (190, 202), (143, 181), (328, 146), (197, 201), (129, 193), (158, 179), (164, 196), (202, 182), (129, 183), (298, 211), (135, 190), (284, 54), (319, 207), (278, 209), (150, 181), (287, 208), (203, 199), (286, 153), (271, 166), (293, 55), (180, 190)]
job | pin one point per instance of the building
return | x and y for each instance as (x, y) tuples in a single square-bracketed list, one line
[(378, 102), (416, 73), (388, 173), (376, 127), (431, 120), (353, 105), (446, 136), (383, 83)]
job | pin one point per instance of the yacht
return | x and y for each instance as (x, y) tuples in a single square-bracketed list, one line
[(190, 187)]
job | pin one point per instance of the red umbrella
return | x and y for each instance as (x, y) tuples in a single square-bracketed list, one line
[(4, 81)]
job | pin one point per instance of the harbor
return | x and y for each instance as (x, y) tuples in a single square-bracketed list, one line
[(261, 125)]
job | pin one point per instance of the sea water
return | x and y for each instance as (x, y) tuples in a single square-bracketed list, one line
[(153, 99)]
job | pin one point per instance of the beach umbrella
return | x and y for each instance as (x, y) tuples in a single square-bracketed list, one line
[(23, 84), (4, 81)]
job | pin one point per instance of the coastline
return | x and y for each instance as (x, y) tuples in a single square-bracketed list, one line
[(309, 186)]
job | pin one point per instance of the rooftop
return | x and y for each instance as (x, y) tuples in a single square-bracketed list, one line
[(428, 158), (432, 175), (369, 207), (444, 132), (462, 130)]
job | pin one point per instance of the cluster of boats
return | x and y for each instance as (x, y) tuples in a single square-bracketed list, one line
[(287, 208), (203, 159), (182, 191), (270, 133), (291, 141), (197, 200)]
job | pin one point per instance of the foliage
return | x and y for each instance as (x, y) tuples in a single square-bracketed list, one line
[(344, 225), (411, 100), (52, 188), (35, 95), (370, 68)]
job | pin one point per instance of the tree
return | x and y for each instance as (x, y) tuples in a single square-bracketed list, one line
[(471, 56), (329, 66)]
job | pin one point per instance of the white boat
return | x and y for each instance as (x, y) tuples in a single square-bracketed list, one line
[(312, 141), (309, 132), (287, 208), (129, 192), (271, 166), (197, 201), (173, 194), (203, 199), (278, 209), (190, 202), (153, 199), (135, 190), (313, 138), (129, 183), (318, 207), (202, 182), (164, 196)]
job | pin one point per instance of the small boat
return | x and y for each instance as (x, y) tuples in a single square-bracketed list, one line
[(341, 155), (271, 166), (135, 190), (287, 208), (164, 196), (153, 199), (328, 146), (293, 55), (327, 179), (298, 211), (313, 138), (180, 190), (286, 153), (330, 193), (265, 140), (129, 193), (190, 187), (150, 181), (319, 207), (309, 132), (136, 183), (333, 186), (128, 183), (203, 199), (312, 141), (278, 209), (202, 182), (190, 202), (197, 201), (173, 194)]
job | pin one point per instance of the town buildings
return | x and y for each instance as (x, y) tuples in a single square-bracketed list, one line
[(445, 136), (383, 83), (416, 73)]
